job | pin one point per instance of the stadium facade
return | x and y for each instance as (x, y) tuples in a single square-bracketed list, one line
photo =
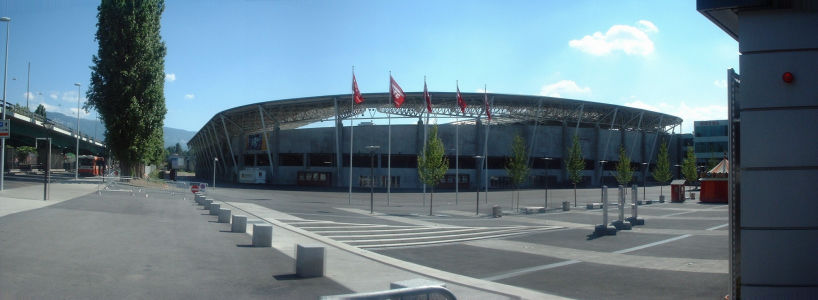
[(247, 138)]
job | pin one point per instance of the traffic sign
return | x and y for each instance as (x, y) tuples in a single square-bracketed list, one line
[(5, 129), (194, 188)]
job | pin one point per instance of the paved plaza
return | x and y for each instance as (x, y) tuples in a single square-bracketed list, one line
[(126, 242)]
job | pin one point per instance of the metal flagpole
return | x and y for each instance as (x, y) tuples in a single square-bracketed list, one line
[(425, 126), (389, 163), (351, 133), (486, 153), (456, 160)]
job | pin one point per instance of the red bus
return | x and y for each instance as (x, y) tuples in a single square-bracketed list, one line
[(90, 165)]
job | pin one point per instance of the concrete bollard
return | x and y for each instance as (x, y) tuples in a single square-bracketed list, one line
[(604, 229), (621, 203), (206, 203), (634, 200), (224, 215), (309, 261), (262, 235), (239, 224), (214, 209)]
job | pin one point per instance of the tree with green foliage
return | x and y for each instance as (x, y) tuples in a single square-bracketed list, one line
[(40, 111), (127, 81), (689, 166), (624, 173), (517, 166), (23, 152), (662, 170), (432, 163), (575, 165)]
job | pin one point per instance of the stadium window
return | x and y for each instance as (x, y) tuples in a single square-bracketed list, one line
[(249, 160), (261, 160), (497, 162), (322, 159), (291, 159)]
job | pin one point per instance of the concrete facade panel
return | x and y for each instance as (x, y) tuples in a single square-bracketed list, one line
[(778, 138), (762, 83), (779, 257), (782, 29), (769, 194)]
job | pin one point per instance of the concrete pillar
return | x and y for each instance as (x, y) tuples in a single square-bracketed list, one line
[(262, 235), (214, 209), (239, 224), (224, 215), (598, 171), (309, 261)]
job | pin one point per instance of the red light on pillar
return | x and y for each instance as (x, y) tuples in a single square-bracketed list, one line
[(788, 77)]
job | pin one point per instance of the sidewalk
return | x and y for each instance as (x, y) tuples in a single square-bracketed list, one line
[(27, 196)]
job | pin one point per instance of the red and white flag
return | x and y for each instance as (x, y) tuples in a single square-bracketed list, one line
[(427, 96), (397, 94), (486, 102), (460, 101), (356, 94)]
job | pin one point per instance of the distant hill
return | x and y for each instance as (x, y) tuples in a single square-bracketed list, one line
[(89, 127)]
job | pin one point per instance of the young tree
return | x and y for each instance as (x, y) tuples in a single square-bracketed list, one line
[(662, 170), (575, 165), (40, 111), (517, 166), (689, 166), (432, 163), (23, 152), (127, 81), (624, 173)]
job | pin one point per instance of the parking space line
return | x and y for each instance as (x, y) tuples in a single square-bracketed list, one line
[(623, 251), (717, 227), (524, 271)]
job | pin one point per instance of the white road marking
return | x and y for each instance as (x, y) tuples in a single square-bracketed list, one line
[(524, 271), (717, 227), (623, 251)]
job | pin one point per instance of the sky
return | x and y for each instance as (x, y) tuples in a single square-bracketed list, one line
[(657, 55)]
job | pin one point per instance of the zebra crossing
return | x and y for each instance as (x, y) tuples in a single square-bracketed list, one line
[(375, 236)]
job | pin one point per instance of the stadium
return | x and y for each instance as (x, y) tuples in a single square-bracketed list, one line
[(239, 144)]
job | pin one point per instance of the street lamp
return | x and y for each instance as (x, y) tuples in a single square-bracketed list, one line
[(456, 176), (644, 181), (5, 74), (372, 150), (477, 202), (77, 170), (47, 175), (602, 172), (215, 160), (545, 172)]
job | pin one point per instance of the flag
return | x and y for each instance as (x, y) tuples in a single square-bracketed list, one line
[(356, 94), (460, 101), (396, 92), (427, 97), (486, 102)]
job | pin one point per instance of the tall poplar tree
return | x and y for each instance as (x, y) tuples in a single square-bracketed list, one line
[(689, 167), (662, 170), (127, 81), (432, 163), (517, 166), (575, 165), (624, 173)]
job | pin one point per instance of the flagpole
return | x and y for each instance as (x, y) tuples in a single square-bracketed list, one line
[(389, 161), (425, 126), (456, 160), (486, 149), (351, 133)]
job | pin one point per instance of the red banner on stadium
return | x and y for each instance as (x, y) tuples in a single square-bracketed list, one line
[(397, 94), (486, 102), (356, 94), (427, 96), (460, 101)]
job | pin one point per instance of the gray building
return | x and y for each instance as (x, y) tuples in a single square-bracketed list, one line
[(772, 113), (268, 136), (710, 139)]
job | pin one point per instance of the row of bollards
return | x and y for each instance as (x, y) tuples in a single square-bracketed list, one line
[(310, 260), (621, 223)]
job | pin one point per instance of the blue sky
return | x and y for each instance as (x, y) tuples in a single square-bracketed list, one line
[(659, 55)]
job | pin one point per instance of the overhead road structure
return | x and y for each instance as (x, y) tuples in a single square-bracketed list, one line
[(271, 117)]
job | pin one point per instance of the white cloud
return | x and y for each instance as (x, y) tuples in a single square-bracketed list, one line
[(720, 83), (170, 77), (190, 96), (629, 39), (686, 112), (647, 26), (564, 88), (53, 95)]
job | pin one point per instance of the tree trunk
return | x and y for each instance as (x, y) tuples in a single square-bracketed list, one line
[(125, 168), (575, 195)]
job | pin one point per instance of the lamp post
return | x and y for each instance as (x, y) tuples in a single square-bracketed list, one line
[(477, 201), (545, 173), (644, 181), (215, 160), (5, 74), (372, 150), (77, 169), (47, 175), (456, 177), (602, 172)]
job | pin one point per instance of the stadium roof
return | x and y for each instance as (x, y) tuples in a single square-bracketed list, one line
[(505, 109)]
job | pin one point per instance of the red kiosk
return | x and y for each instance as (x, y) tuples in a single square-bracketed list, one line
[(677, 190), (714, 184)]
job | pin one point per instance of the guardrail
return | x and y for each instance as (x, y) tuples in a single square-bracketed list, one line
[(430, 292)]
